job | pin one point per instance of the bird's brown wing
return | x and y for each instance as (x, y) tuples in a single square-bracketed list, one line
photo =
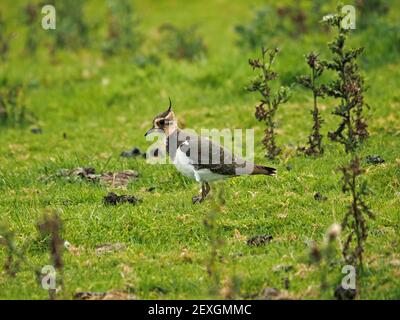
[(206, 154)]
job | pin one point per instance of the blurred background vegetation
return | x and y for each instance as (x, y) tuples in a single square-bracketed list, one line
[(144, 34)]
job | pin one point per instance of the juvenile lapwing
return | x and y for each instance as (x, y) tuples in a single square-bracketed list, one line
[(199, 158)]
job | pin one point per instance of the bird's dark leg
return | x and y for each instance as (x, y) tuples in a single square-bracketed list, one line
[(199, 198), (205, 189)]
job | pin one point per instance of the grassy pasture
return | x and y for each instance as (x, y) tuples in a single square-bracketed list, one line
[(104, 105)]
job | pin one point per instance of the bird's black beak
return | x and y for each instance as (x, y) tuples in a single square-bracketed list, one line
[(152, 130)]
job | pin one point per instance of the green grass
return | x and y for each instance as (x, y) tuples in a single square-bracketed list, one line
[(102, 120)]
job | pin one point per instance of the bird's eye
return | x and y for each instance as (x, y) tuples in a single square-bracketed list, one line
[(161, 122)]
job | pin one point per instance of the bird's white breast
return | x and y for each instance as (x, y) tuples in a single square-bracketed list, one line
[(184, 164)]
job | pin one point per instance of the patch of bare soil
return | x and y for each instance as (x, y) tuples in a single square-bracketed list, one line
[(111, 179), (111, 295)]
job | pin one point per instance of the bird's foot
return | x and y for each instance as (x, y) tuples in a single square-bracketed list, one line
[(205, 189), (198, 199)]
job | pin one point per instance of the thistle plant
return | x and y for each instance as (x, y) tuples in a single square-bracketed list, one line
[(269, 102), (355, 219), (348, 87), (310, 82)]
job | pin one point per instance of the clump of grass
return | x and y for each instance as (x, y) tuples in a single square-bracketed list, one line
[(259, 30), (5, 39), (355, 219), (311, 82), (293, 19), (348, 87), (371, 10), (16, 254), (31, 13), (13, 110), (72, 30), (183, 43), (122, 31), (382, 38), (12, 262), (268, 23), (50, 228), (269, 102)]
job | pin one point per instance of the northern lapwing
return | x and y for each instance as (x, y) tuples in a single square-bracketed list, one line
[(199, 158)]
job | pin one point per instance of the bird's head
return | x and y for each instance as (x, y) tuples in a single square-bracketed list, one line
[(164, 122)]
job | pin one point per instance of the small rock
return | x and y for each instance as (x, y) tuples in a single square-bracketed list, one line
[(289, 167), (374, 159), (319, 197), (114, 199), (344, 294), (270, 293), (259, 240), (36, 131), (112, 295), (130, 154), (89, 295), (84, 172)]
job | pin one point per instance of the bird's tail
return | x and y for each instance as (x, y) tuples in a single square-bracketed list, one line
[(264, 170)]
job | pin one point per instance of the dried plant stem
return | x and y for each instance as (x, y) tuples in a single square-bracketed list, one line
[(51, 227), (355, 219), (211, 225)]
